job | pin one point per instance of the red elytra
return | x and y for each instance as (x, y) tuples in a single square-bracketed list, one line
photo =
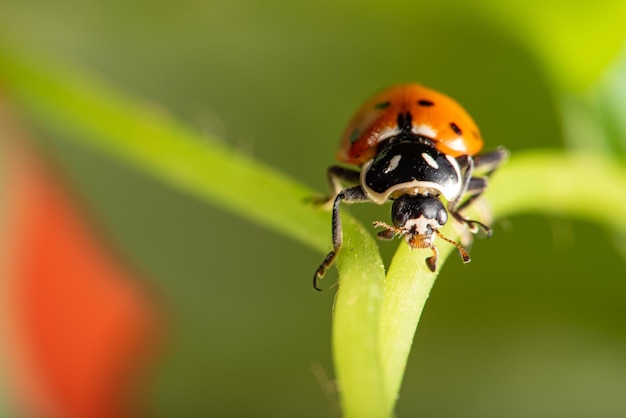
[(433, 115)]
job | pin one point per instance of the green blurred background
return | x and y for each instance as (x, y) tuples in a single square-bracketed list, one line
[(534, 326)]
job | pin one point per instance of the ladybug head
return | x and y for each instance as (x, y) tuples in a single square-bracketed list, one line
[(418, 218)]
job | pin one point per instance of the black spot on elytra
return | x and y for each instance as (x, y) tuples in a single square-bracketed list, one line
[(456, 129), (382, 105), (354, 136), (424, 102)]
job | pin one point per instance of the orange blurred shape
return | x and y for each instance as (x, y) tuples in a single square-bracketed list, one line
[(78, 323)]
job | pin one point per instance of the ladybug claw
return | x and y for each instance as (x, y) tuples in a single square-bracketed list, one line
[(475, 227)]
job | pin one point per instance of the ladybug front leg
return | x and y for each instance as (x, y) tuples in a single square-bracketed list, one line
[(485, 164), (350, 195), (475, 186)]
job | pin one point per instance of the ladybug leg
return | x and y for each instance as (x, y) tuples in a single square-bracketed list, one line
[(475, 186), (489, 162), (466, 163), (336, 175), (350, 195)]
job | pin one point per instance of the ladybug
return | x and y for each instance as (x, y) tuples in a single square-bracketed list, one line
[(416, 147)]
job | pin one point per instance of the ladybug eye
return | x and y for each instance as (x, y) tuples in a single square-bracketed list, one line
[(456, 128), (382, 105), (425, 102)]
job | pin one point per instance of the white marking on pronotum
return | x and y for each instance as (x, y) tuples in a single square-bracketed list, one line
[(393, 164), (387, 133), (425, 130), (430, 161)]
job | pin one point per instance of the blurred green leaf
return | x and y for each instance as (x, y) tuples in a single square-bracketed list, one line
[(575, 40), (594, 121), (99, 116), (609, 98)]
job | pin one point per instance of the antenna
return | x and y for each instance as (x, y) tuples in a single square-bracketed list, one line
[(464, 255)]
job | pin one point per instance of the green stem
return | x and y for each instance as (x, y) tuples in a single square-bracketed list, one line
[(355, 326), (581, 185), (408, 284)]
